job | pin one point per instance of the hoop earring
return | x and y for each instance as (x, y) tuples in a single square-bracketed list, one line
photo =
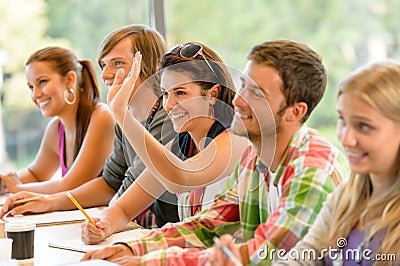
[(66, 96)]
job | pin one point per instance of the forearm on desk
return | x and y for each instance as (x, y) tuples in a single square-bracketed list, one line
[(91, 194)]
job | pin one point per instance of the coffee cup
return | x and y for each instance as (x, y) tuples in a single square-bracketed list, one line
[(23, 235)]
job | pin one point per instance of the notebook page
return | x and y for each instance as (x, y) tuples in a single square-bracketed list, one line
[(58, 217), (78, 245)]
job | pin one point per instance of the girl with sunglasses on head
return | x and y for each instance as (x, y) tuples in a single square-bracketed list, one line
[(197, 93), (361, 218), (79, 137)]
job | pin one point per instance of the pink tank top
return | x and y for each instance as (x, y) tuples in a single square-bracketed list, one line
[(61, 149)]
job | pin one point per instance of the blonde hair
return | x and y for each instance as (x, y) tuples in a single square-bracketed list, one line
[(378, 85)]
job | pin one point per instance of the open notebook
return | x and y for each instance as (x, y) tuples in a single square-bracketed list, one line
[(78, 245), (53, 218)]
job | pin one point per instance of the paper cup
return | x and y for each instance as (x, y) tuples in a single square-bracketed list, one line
[(23, 235)]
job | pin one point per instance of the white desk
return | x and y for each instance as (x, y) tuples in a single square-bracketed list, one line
[(47, 256)]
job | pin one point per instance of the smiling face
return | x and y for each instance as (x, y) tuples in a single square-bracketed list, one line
[(184, 100), (258, 102), (47, 88), (370, 139), (120, 57)]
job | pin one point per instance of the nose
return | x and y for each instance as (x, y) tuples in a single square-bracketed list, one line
[(107, 73), (169, 103), (346, 136), (238, 100), (36, 92)]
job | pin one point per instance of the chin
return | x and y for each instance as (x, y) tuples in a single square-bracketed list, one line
[(239, 131), (179, 129), (46, 114)]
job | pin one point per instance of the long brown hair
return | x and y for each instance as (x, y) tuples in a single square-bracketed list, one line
[(62, 61)]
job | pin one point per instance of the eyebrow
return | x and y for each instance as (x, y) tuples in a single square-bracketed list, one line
[(119, 58), (356, 117), (174, 89), (40, 77), (252, 84), (36, 80), (363, 118)]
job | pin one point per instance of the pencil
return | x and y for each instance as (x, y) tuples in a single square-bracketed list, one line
[(80, 207), (227, 252), (20, 201)]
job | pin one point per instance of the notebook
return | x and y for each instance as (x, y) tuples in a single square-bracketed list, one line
[(92, 263), (53, 218), (77, 244)]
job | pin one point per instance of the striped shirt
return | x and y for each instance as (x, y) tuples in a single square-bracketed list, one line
[(311, 168)]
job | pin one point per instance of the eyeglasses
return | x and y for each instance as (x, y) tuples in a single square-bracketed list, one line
[(190, 51)]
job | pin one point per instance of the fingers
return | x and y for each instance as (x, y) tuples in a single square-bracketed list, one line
[(34, 206), (11, 181), (119, 77), (12, 199), (108, 253), (102, 254), (93, 234), (226, 253), (135, 70), (131, 79), (123, 89), (3, 188)]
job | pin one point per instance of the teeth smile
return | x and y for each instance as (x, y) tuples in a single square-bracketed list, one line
[(243, 116), (355, 155), (42, 103), (176, 116)]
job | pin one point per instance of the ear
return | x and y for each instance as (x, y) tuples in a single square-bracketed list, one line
[(296, 112), (213, 93), (71, 79)]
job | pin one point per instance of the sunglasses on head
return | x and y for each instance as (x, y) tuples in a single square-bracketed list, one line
[(190, 51)]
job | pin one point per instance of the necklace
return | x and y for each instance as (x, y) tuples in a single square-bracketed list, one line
[(153, 113)]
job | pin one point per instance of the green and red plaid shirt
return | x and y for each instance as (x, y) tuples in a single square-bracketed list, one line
[(310, 170)]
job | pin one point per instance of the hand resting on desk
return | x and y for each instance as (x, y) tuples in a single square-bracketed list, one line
[(93, 234), (119, 253), (39, 205), (11, 181)]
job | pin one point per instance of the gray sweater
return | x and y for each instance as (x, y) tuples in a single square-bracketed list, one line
[(123, 166)]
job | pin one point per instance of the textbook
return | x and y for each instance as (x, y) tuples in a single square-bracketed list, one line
[(53, 218), (77, 244)]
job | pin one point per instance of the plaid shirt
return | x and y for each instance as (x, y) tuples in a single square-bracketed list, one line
[(310, 169)]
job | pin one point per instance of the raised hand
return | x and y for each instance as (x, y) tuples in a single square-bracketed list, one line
[(123, 89)]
